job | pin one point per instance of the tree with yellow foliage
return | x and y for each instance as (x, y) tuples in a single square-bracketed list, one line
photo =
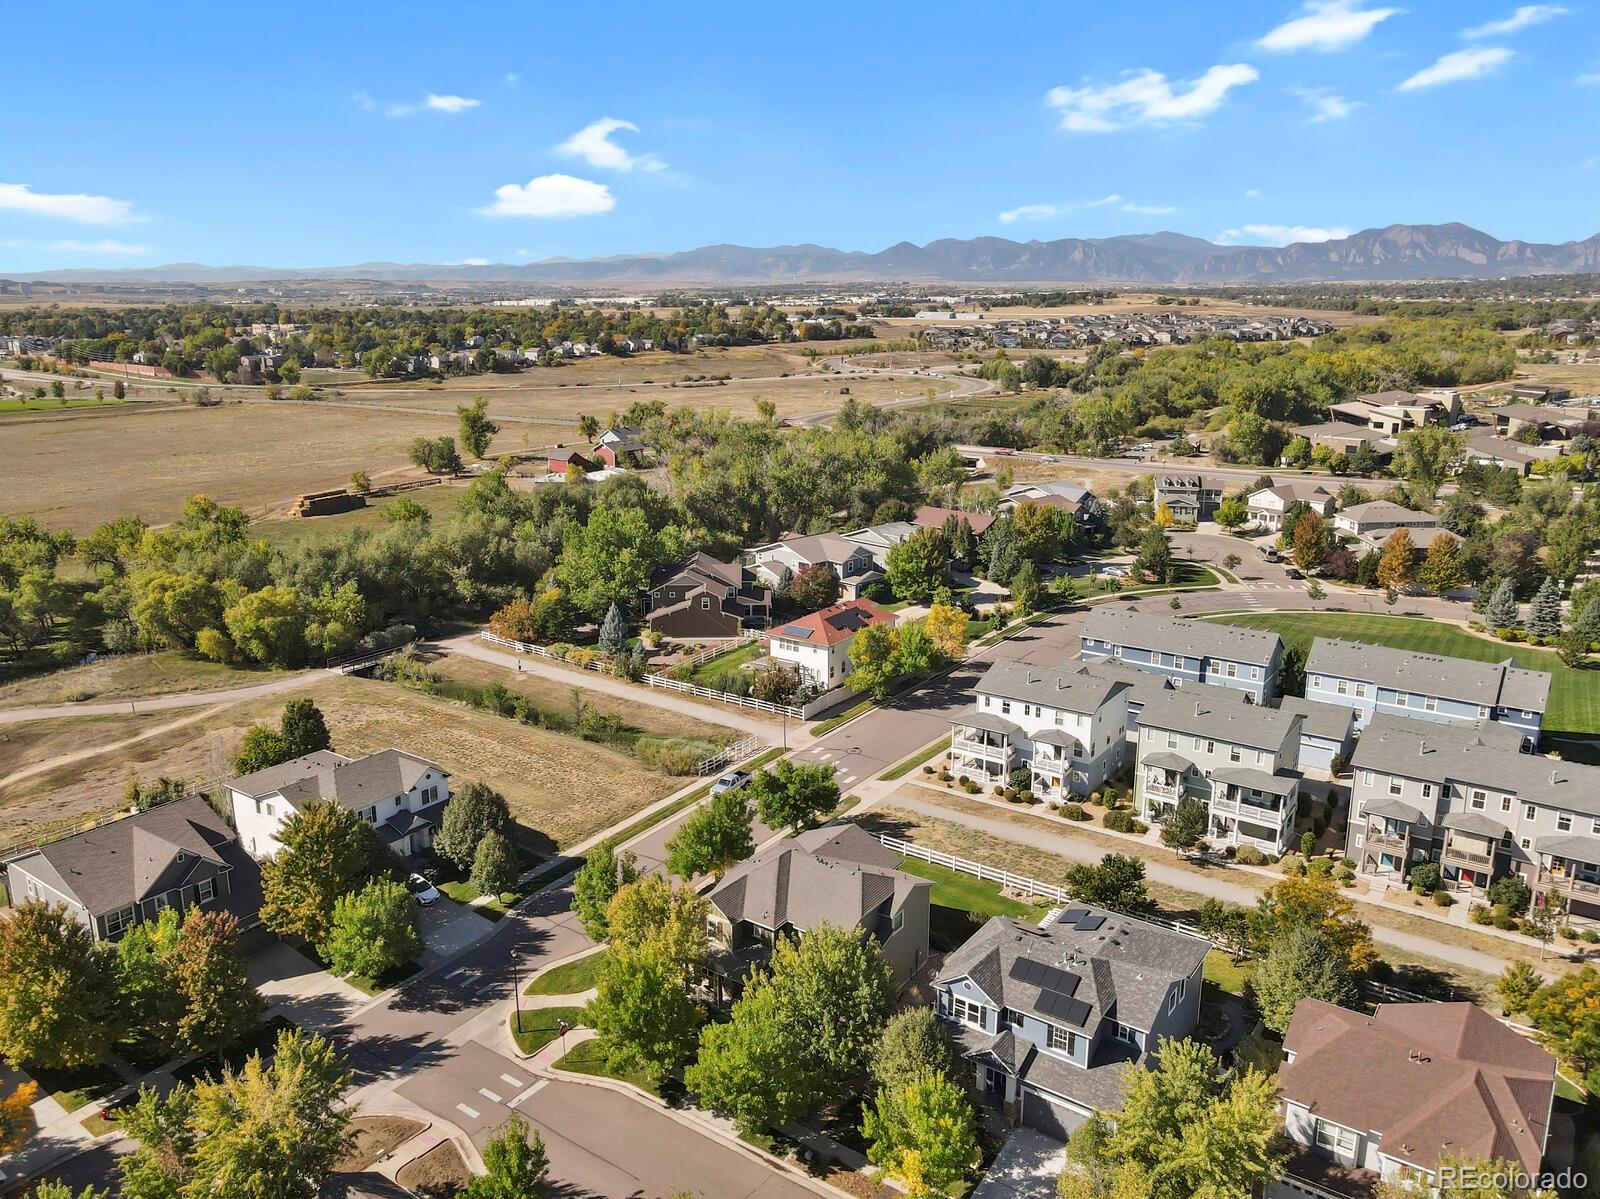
[(1397, 565)]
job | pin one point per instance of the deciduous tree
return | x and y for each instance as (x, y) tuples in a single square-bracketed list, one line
[(514, 1160), (794, 795), (57, 990), (1185, 825), (1397, 563), (1300, 964), (918, 565), (16, 1116), (1311, 541), (327, 853), (922, 1131), (1425, 457), (373, 930), (1313, 901), (713, 838), (475, 427), (495, 868), (1116, 883), (1564, 1013), (1442, 569), (603, 873), (643, 1012), (475, 810), (913, 1042)]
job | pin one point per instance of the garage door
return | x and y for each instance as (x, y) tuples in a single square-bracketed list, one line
[(1042, 1114), (1316, 756)]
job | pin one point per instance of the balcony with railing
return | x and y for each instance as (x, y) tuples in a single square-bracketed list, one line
[(1387, 836), (1565, 881), (1467, 851), (983, 744)]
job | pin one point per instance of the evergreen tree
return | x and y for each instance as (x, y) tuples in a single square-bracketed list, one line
[(1501, 612), (1544, 613), (303, 729), (614, 631)]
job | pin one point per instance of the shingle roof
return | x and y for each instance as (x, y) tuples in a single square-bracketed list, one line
[(835, 623), (1123, 961), (1072, 689), (1488, 684), (1455, 1081), (1482, 752), (353, 783), (1332, 721), (1146, 630), (1236, 724), (1377, 512), (930, 516)]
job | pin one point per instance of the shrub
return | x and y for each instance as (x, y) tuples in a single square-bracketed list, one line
[(927, 770), (970, 787), (1005, 791), (1590, 937), (1094, 797), (1567, 931), (1292, 863), (1425, 878), (1480, 914), (944, 776), (1320, 867), (1140, 828), (1014, 796), (1119, 822), (1249, 855), (1308, 843), (1506, 921), (1074, 811), (673, 755), (1443, 899)]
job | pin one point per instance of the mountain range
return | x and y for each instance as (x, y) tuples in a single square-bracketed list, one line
[(1396, 252)]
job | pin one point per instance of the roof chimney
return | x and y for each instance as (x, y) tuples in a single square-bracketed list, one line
[(1197, 711)]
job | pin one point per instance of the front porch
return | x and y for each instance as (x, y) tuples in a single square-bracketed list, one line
[(1386, 840), (981, 746), (1161, 784), (1568, 870)]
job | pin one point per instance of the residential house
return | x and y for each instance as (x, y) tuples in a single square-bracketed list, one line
[(1051, 1015), (851, 562), (180, 855), (1393, 412), (1461, 795), (400, 794), (1327, 732), (1240, 760), (620, 445), (1485, 449), (1539, 393), (1380, 517), (702, 598), (1267, 506), (930, 517), (1191, 497), (838, 874), (1186, 650), (1345, 439), (1076, 500), (561, 461), (1559, 423), (818, 644), (1066, 727), (1381, 680), (1393, 1095), (880, 539)]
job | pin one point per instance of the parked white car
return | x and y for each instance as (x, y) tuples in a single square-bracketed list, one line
[(423, 891)]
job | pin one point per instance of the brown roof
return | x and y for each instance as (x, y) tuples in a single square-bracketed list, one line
[(835, 623), (1434, 1080), (930, 516)]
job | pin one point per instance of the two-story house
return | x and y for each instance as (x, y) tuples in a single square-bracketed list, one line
[(838, 874), (1379, 518), (1240, 760), (818, 644), (1191, 497), (1460, 795), (1267, 506), (400, 794), (1393, 412), (852, 564), (620, 445), (1372, 1099), (1051, 1015), (1067, 727), (880, 539), (1187, 651), (1379, 680), (702, 597), (179, 855)]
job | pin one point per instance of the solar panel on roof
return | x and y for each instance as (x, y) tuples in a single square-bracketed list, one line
[(1073, 915), (1088, 922), (1046, 978), (1063, 1007), (795, 630)]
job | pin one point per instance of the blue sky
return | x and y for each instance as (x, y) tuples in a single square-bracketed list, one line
[(331, 134)]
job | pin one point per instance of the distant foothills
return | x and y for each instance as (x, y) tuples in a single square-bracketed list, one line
[(1397, 252)]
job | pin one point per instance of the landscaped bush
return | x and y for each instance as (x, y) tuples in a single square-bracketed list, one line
[(1425, 878), (1249, 855), (1480, 914), (970, 787), (944, 776), (1140, 828), (1319, 867), (1590, 937), (1443, 899), (1025, 795), (1119, 822), (673, 755), (999, 790), (1292, 863), (1074, 811), (1506, 921)]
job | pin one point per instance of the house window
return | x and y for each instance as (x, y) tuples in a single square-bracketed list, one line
[(205, 889), (1594, 827), (1233, 753), (1477, 801), (1525, 843), (1123, 1033), (1014, 1018), (1116, 651), (705, 603), (1335, 1139), (1361, 690), (966, 1011), (1211, 747), (1366, 778), (1427, 791), (119, 920), (1396, 787), (1529, 811), (1172, 740), (1402, 699), (1431, 704), (1005, 706), (1564, 822), (1255, 672), (1063, 1039), (1505, 806), (1343, 687), (1233, 671), (899, 921)]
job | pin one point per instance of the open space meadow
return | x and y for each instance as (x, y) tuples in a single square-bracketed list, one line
[(1574, 694), (124, 676), (55, 774)]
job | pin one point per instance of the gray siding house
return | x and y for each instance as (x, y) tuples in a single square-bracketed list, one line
[(179, 855), (1187, 651), (838, 874), (1377, 680), (1050, 1015)]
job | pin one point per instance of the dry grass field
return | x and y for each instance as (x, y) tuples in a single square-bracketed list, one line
[(128, 675), (560, 788)]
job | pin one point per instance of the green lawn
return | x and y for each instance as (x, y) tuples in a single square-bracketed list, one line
[(916, 759), (73, 1089), (569, 978), (1226, 974), (1184, 574), (536, 1028), (47, 404), (960, 903), (727, 662), (1574, 694), (589, 1058)]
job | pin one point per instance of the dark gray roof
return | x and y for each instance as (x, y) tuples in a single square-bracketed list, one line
[(1073, 689), (1236, 724), (354, 783), (1490, 684), (1331, 721), (1477, 824), (1167, 760), (1483, 752), (1144, 686), (1123, 961), (836, 879), (1273, 784), (1054, 736), (1393, 809), (135, 858), (1193, 638), (1379, 512), (987, 721), (1570, 845), (1099, 1086)]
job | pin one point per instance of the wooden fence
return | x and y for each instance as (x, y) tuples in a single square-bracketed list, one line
[(728, 754)]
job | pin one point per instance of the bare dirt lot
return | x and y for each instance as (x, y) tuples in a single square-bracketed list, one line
[(437, 1174), (560, 788), (375, 1138)]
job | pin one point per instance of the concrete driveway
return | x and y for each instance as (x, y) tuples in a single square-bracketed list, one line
[(449, 928), (303, 991), (1026, 1167)]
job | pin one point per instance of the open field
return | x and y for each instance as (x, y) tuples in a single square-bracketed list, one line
[(560, 789), (279, 528), (77, 472), (15, 405), (1574, 694), (129, 676)]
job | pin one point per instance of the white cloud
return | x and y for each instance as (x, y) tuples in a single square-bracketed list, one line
[(1150, 209), (469, 262), (1280, 235), (1252, 193), (512, 79), (1325, 105), (1458, 65), (1030, 212), (67, 206), (1588, 80), (364, 102), (1102, 201), (450, 104), (593, 144), (1525, 16), (1326, 25), (1146, 97), (551, 196)]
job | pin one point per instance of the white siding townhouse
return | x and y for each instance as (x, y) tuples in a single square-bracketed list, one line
[(1267, 506), (818, 644), (1050, 1016), (1067, 727), (1462, 796), (1186, 651), (1376, 680), (1190, 496), (402, 795), (1240, 760)]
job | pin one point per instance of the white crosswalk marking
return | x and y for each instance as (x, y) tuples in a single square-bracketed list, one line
[(471, 1113), (530, 1092), (516, 1082), (489, 1095)]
